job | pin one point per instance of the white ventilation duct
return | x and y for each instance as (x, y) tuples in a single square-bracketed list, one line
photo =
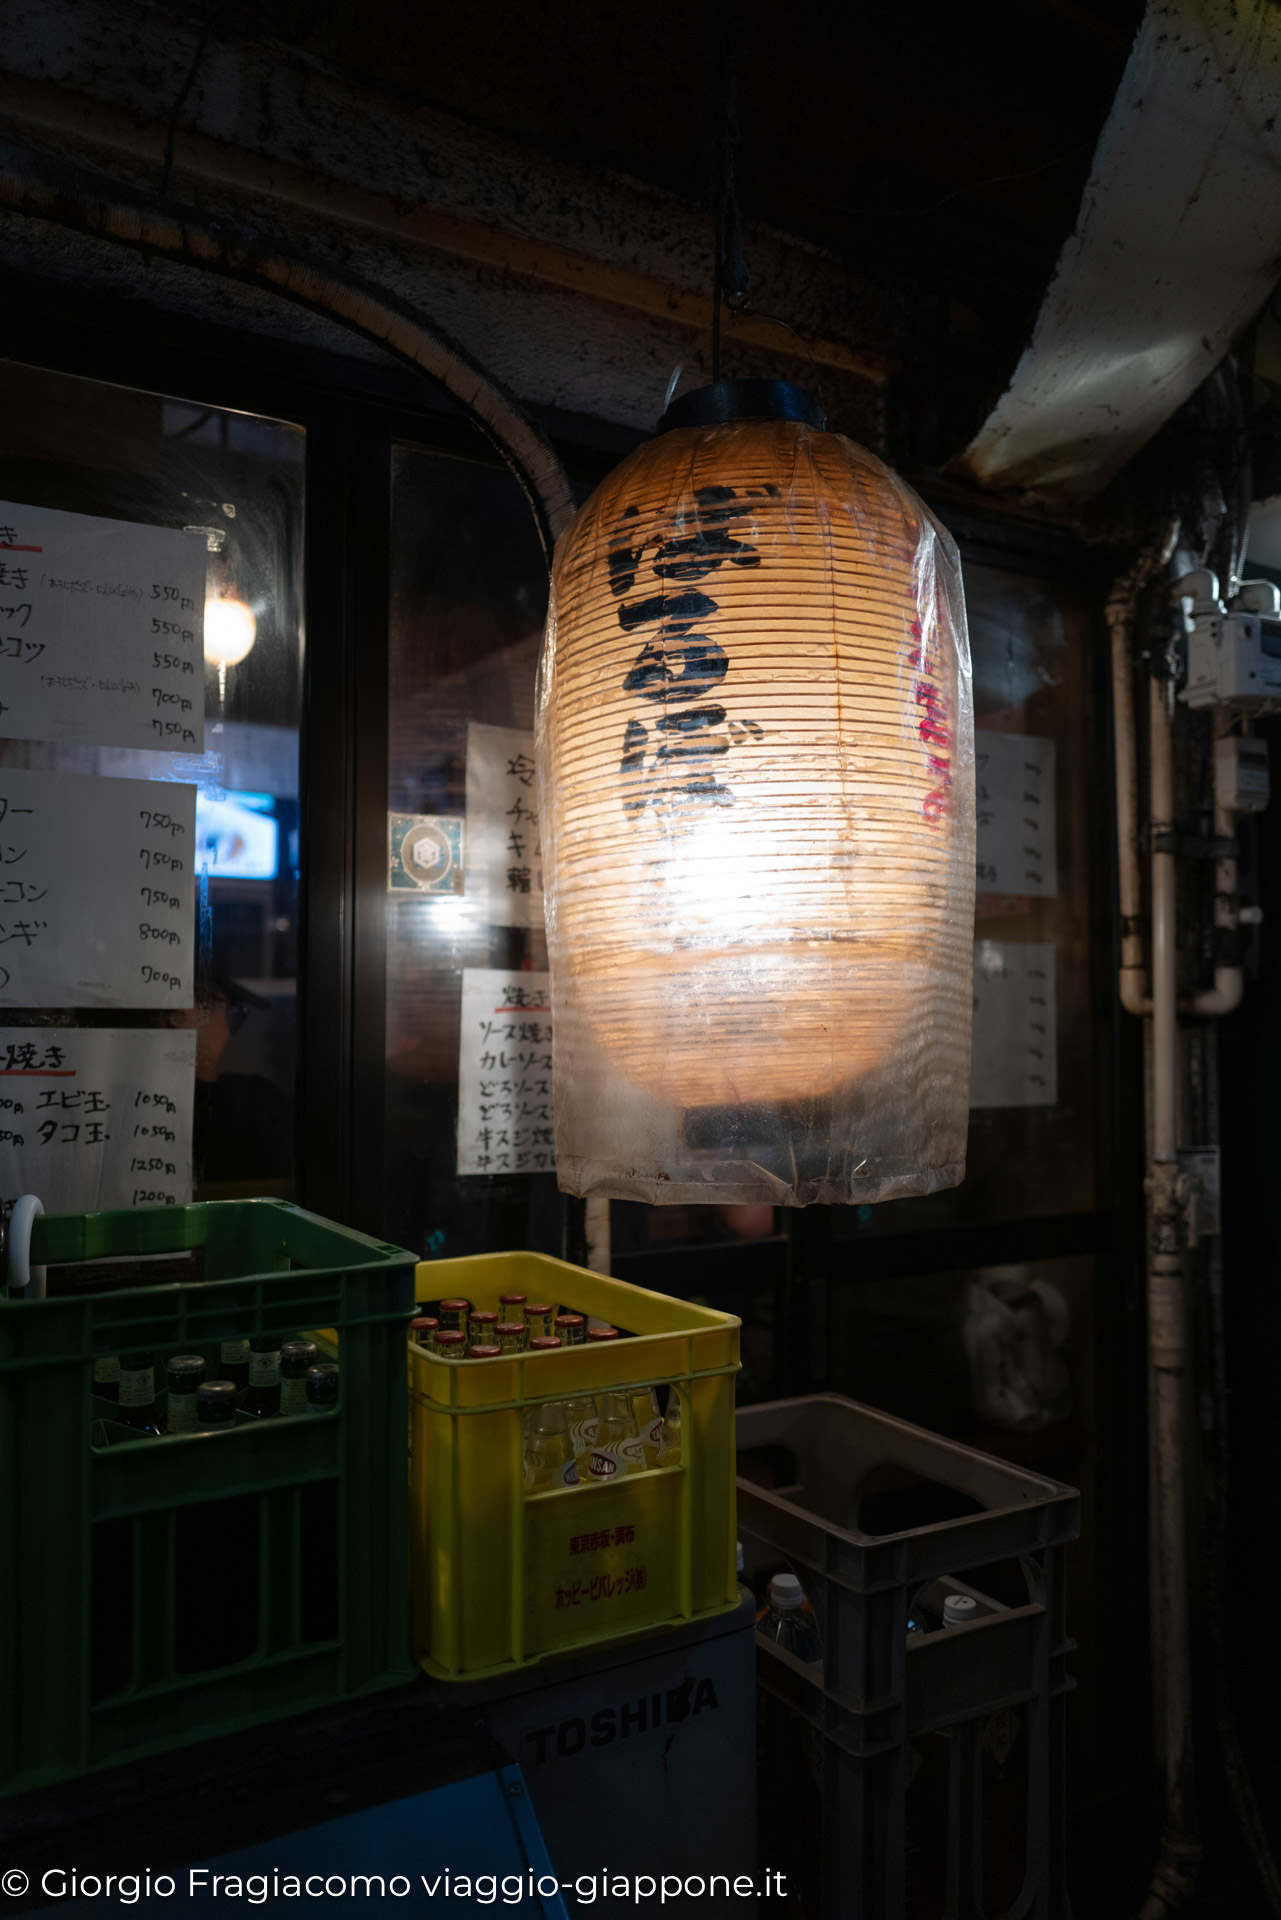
[(1177, 245)]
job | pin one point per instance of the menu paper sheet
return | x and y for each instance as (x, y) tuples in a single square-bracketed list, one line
[(1014, 1061), (1014, 814), (504, 850), (101, 631), (95, 891), (505, 1073), (94, 1117)]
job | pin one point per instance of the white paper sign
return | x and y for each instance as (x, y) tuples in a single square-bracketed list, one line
[(95, 891), (504, 853), (505, 1073), (96, 1117), (101, 631), (1014, 1062), (1014, 813)]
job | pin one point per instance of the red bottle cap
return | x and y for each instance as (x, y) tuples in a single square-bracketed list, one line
[(602, 1333), (483, 1353), (545, 1341)]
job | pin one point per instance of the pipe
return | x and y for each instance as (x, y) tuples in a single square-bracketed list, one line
[(1120, 612), (370, 311), (1120, 616), (1174, 1874)]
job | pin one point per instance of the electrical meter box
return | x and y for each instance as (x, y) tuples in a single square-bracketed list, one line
[(1234, 659), (1241, 774)]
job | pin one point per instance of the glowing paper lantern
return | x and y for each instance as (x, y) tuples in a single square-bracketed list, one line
[(230, 631), (756, 749)]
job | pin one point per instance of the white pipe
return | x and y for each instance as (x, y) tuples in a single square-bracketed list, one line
[(1167, 1347), (23, 1277)]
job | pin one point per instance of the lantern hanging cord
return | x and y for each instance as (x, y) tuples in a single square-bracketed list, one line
[(729, 268)]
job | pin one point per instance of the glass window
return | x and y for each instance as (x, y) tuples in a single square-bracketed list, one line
[(1031, 1147), (86, 447), (468, 602)]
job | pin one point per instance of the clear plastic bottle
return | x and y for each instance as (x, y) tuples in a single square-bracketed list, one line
[(549, 1452), (616, 1450), (669, 1450), (788, 1623)]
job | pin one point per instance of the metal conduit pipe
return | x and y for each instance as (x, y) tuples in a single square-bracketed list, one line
[(1175, 1870), (1120, 617), (369, 311)]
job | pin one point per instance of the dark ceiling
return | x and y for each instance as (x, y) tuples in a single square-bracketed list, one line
[(943, 143)]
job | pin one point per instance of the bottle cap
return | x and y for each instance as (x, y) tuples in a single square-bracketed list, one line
[(543, 1343), (786, 1591), (481, 1316), (602, 1333), (959, 1609), (216, 1401), (187, 1368), (483, 1353), (569, 1321), (539, 1307), (295, 1358), (322, 1385), (449, 1337), (512, 1299)]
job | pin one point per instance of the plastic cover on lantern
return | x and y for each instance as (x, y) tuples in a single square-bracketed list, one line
[(756, 757)]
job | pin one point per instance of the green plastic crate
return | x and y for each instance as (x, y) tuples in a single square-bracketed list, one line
[(127, 1562)]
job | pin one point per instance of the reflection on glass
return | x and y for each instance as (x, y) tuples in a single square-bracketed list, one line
[(89, 448), (468, 600)]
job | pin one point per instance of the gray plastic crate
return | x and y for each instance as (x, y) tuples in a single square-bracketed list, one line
[(911, 1778)]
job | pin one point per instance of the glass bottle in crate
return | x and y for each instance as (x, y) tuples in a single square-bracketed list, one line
[(616, 1450), (262, 1395), (106, 1377), (550, 1460), (572, 1329), (216, 1404), (137, 1403), (295, 1358), (510, 1335), (322, 1388), (788, 1623), (669, 1451), (649, 1423), (233, 1363), (183, 1375)]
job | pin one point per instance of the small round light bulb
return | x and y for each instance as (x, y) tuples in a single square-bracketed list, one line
[(230, 631)]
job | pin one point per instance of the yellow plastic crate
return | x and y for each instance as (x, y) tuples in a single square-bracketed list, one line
[(501, 1580)]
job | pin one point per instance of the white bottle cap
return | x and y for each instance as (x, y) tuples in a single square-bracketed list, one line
[(785, 1591), (739, 1545), (958, 1610)]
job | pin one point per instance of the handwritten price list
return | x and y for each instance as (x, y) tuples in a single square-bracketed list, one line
[(1014, 1062), (504, 852), (95, 891), (96, 1117), (1014, 814), (505, 1073), (101, 631)]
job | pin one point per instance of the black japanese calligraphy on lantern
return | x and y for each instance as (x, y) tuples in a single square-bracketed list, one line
[(674, 745)]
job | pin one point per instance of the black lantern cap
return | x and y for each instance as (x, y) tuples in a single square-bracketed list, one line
[(728, 400)]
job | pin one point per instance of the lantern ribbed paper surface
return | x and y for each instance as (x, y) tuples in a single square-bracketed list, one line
[(756, 750)]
